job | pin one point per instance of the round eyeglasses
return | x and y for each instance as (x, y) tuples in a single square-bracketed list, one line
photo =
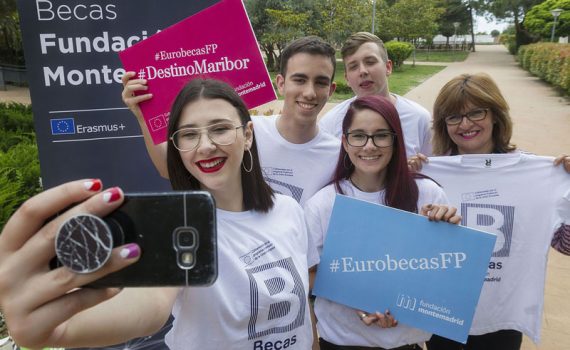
[(360, 139), (221, 134), (474, 115)]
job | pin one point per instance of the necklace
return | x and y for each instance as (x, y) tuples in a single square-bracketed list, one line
[(360, 189), (355, 185)]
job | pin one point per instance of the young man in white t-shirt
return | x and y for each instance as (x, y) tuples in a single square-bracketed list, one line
[(297, 158), (367, 68)]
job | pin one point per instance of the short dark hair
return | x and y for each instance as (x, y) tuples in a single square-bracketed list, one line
[(312, 45), (257, 195), (356, 40)]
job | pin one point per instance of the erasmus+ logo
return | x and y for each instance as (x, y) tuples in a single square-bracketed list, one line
[(64, 126)]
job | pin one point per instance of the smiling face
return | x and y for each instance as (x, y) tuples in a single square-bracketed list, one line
[(366, 72), (306, 86), (216, 167), (370, 162), (473, 137)]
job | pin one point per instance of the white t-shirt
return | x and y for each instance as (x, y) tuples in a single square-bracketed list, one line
[(337, 323), (415, 119), (522, 199), (296, 170), (259, 300)]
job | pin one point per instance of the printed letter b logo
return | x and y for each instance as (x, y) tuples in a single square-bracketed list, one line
[(279, 285), (497, 219)]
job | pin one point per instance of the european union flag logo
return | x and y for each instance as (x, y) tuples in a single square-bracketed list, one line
[(64, 126)]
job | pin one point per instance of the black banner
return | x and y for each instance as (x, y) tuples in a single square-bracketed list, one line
[(83, 128), (71, 48)]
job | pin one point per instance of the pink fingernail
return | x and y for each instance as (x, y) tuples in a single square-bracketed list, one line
[(112, 195), (93, 185), (130, 251)]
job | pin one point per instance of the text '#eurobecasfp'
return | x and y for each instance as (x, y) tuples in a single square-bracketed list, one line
[(387, 263)]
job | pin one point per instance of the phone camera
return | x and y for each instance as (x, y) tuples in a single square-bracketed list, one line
[(186, 238), (186, 244)]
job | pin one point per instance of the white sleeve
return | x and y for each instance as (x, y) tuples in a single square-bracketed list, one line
[(306, 241), (426, 135), (331, 122), (430, 193), (314, 225), (564, 206), (313, 255), (318, 211)]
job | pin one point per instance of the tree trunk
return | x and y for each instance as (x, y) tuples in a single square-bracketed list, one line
[(270, 56), (522, 36), (472, 29)]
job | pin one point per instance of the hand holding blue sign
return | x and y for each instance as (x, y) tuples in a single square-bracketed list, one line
[(382, 320), (438, 212), (430, 274), (386, 256)]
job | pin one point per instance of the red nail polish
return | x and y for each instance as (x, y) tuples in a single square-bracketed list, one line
[(112, 195), (93, 185)]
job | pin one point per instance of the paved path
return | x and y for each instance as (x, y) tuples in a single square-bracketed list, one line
[(15, 94), (542, 126)]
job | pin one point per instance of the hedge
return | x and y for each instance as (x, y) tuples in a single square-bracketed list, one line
[(19, 164), (398, 51), (548, 61)]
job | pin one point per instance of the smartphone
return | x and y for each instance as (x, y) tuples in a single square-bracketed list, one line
[(175, 230)]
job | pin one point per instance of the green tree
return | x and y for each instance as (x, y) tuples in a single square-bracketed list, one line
[(337, 19), (404, 23), (403, 20), (456, 11), (272, 27), (383, 29), (514, 10), (539, 20), (286, 25), (11, 49), (261, 24), (495, 33)]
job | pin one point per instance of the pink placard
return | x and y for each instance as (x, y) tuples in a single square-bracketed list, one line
[(216, 43)]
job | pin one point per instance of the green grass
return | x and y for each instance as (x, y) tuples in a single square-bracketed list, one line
[(408, 77), (401, 81), (440, 56)]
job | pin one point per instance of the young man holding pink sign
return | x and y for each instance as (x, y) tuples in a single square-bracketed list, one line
[(291, 144)]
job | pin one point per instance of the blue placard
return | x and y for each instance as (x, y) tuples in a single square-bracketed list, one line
[(430, 273)]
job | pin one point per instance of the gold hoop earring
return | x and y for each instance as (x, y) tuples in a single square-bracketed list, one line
[(344, 162), (250, 162)]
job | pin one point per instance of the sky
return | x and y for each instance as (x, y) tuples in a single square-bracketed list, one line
[(483, 26)]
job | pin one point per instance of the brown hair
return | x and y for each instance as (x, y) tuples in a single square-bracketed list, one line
[(257, 195), (312, 45), (356, 40), (478, 90)]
